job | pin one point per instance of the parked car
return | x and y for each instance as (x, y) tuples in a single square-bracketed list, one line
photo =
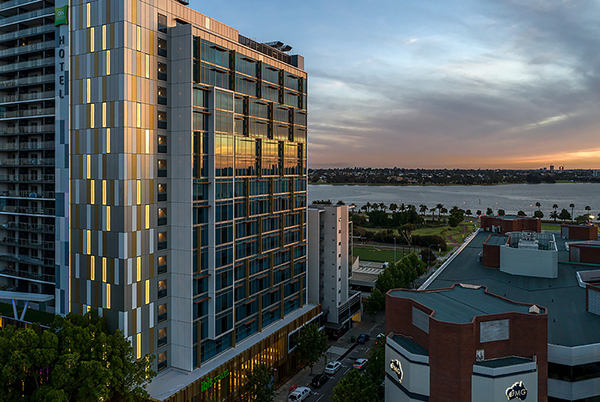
[(332, 367), (360, 363), (319, 380), (363, 338), (299, 394)]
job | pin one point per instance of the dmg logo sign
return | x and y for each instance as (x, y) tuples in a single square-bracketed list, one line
[(516, 391), (397, 368)]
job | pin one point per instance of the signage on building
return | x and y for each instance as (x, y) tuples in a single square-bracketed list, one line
[(212, 381), (61, 16), (516, 391), (397, 368)]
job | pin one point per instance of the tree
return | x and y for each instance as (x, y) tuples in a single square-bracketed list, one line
[(260, 383), (355, 387), (77, 359), (468, 212), (489, 211), (554, 215), (444, 211), (554, 206), (439, 208), (521, 213), (572, 206), (311, 345), (376, 366), (501, 212), (478, 212), (588, 209), (423, 208), (340, 202), (393, 207), (564, 215), (538, 214), (374, 303), (368, 205), (538, 205)]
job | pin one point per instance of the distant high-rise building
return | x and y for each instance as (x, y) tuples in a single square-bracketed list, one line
[(153, 169), (552, 168)]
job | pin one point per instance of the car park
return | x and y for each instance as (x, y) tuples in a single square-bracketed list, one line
[(332, 367), (319, 380), (299, 394), (363, 338), (359, 364)]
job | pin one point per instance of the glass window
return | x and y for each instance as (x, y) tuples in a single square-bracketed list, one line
[(162, 71), (162, 95), (162, 47), (162, 23)]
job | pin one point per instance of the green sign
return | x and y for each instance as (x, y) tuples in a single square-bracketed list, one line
[(60, 16), (212, 381)]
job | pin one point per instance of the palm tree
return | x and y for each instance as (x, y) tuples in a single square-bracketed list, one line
[(555, 207), (444, 211), (393, 207), (572, 206), (402, 207), (382, 206), (554, 215), (423, 208), (368, 205), (537, 204), (439, 208), (588, 209)]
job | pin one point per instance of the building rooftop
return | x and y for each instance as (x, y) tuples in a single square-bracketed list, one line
[(461, 304), (410, 345), (496, 240), (569, 324), (504, 362)]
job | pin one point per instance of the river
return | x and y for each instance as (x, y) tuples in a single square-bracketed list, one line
[(510, 197)]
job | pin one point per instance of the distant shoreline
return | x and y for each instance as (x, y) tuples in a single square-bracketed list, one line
[(439, 185)]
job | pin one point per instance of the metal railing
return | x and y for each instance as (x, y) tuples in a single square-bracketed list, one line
[(26, 259), (27, 210), (38, 79), (27, 162), (28, 275), (39, 178), (24, 33), (46, 12), (35, 47), (27, 145), (27, 194), (27, 97), (24, 65), (13, 241), (31, 227), (14, 3), (27, 129)]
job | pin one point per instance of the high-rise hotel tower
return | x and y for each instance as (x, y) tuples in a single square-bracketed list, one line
[(153, 168)]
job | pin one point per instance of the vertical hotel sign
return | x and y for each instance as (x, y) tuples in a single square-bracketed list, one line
[(61, 141)]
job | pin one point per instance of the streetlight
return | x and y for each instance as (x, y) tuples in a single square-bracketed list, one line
[(429, 260)]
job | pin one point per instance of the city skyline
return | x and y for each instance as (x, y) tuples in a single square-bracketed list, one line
[(463, 84)]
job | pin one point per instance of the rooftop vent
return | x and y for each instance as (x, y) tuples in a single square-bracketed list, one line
[(469, 286), (534, 309)]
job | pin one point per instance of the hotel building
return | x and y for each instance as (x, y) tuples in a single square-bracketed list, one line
[(153, 168)]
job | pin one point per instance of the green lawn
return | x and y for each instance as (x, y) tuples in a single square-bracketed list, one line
[(551, 226), (378, 254), (31, 315)]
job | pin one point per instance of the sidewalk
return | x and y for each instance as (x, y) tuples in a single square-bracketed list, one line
[(337, 351)]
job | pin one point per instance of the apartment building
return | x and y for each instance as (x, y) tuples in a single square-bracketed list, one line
[(153, 168)]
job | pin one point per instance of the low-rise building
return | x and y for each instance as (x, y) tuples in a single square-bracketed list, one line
[(579, 232), (510, 223)]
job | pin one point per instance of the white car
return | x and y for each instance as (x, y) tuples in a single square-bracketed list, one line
[(332, 367), (299, 394), (360, 363)]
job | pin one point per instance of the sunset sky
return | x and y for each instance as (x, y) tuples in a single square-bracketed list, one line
[(433, 84)]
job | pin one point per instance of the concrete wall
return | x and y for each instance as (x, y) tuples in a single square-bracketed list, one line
[(527, 262), (314, 246)]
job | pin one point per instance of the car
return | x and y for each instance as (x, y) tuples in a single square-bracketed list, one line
[(359, 364), (299, 394), (332, 367), (319, 380), (363, 338)]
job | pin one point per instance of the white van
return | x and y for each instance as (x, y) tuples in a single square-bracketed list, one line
[(299, 394)]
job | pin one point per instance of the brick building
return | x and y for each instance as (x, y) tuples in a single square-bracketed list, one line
[(464, 344), (510, 223), (579, 232)]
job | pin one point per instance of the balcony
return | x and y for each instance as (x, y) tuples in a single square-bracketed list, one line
[(20, 274), (33, 145), (27, 65), (27, 162), (24, 33), (46, 12), (25, 259), (14, 242), (28, 97), (27, 194), (16, 3), (33, 129), (28, 178), (27, 210), (27, 227), (38, 79)]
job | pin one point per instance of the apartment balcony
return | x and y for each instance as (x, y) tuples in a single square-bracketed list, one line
[(27, 210), (28, 227), (20, 274), (29, 243), (26, 33), (27, 162), (26, 65), (32, 15), (27, 194), (27, 178), (17, 82), (25, 259), (16, 3), (48, 95), (23, 146), (33, 129)]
